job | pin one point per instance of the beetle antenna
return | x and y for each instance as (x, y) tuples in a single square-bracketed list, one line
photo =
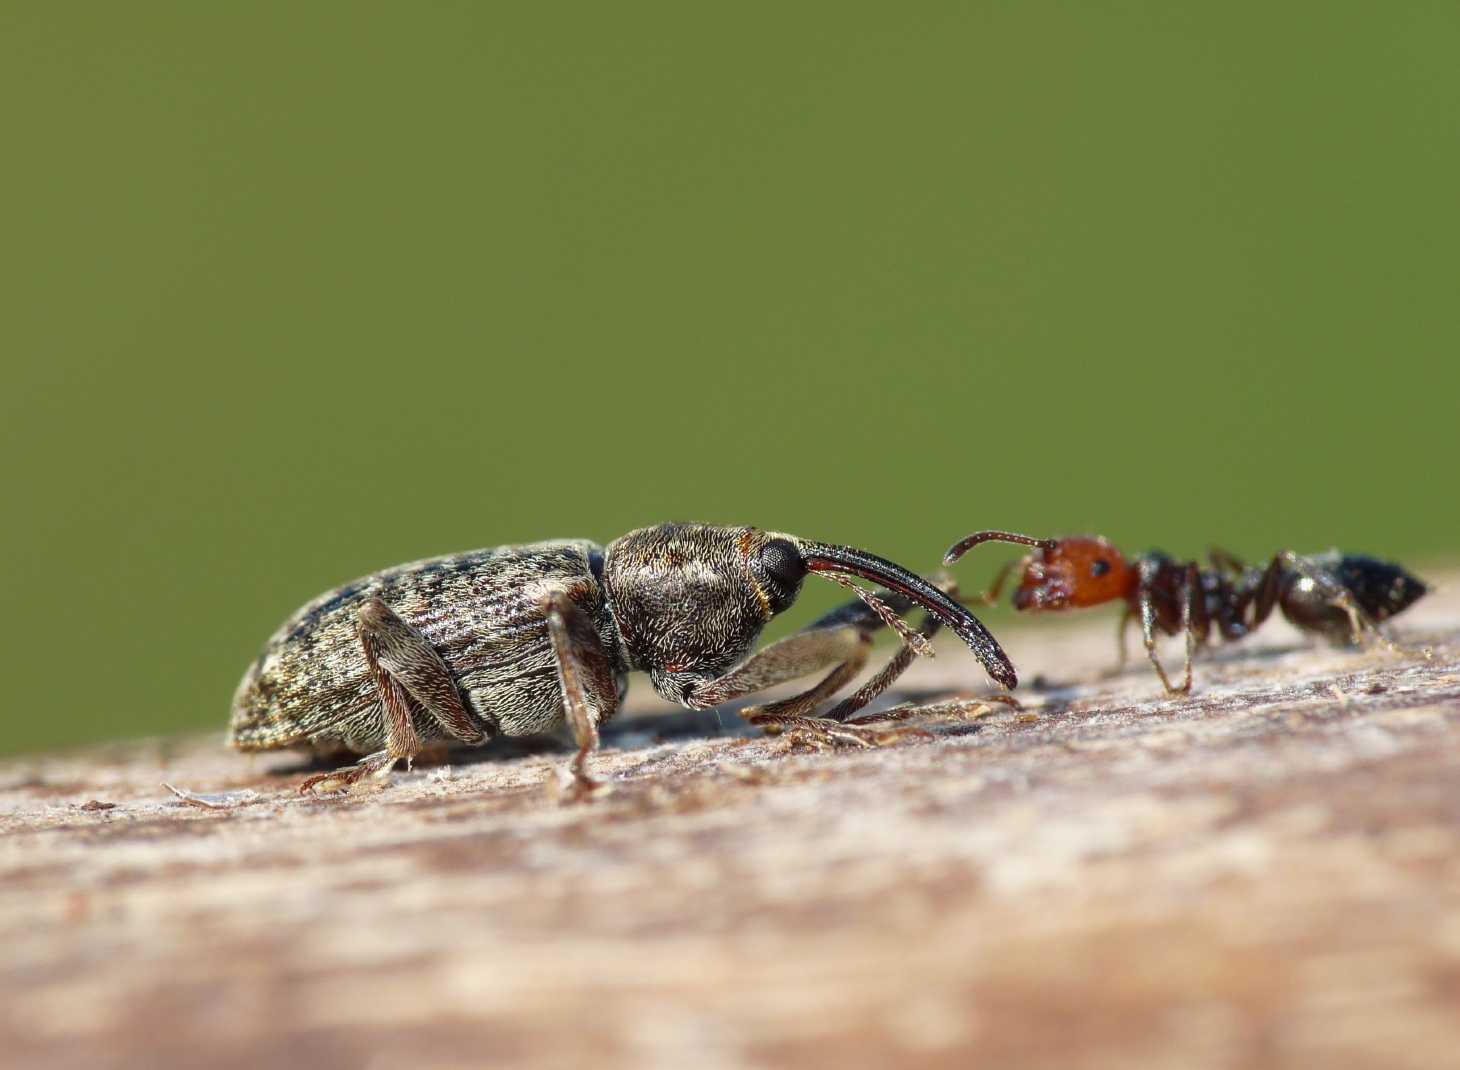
[(962, 546), (914, 639)]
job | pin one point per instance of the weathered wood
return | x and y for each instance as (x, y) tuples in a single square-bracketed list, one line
[(1267, 873)]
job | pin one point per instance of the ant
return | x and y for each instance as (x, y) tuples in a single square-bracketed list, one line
[(1342, 597)]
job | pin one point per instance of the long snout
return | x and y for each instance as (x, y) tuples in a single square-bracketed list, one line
[(847, 561)]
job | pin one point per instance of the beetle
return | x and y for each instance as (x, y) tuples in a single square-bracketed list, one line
[(1341, 597), (516, 640)]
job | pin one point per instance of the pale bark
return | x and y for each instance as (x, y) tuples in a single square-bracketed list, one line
[(1266, 873)]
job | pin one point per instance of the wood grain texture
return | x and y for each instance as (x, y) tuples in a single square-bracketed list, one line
[(1265, 874)]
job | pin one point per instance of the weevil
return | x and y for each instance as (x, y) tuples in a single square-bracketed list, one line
[(518, 640), (1341, 597)]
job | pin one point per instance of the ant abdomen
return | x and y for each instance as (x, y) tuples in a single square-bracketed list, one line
[(1379, 589)]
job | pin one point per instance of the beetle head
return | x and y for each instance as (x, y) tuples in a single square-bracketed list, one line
[(691, 599)]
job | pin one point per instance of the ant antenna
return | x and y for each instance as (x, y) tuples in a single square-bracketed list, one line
[(962, 546)]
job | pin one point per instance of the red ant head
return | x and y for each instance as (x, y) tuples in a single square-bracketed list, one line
[(1074, 573)]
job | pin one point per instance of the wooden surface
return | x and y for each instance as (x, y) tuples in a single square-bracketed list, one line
[(1267, 873)]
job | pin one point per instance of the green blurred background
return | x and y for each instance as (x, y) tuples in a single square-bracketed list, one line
[(295, 291)]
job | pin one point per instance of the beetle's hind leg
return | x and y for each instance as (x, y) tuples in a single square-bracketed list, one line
[(409, 677), (340, 780), (401, 740)]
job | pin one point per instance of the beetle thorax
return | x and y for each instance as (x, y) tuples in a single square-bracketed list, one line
[(686, 602)]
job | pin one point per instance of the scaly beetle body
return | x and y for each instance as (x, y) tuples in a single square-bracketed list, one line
[(478, 611), (520, 639)]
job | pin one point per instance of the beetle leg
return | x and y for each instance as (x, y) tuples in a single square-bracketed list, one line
[(341, 780), (885, 677), (889, 673), (582, 666), (411, 679), (839, 721), (819, 645), (841, 639), (395, 704), (979, 708), (407, 657), (899, 662)]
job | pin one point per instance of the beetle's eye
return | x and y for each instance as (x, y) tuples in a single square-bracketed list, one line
[(1100, 567), (784, 570), (782, 562)]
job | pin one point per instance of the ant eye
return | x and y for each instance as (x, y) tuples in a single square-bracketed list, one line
[(1100, 568)]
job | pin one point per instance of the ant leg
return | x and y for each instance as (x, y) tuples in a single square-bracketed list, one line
[(991, 596), (586, 679), (1225, 561), (1191, 618), (1148, 628), (1268, 589), (1122, 655)]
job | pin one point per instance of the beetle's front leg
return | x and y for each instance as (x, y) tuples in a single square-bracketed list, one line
[(584, 675), (841, 639), (844, 647), (842, 713)]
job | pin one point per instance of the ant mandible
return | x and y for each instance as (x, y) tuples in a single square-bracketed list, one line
[(1342, 597)]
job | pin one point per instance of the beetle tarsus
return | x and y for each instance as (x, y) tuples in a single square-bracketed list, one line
[(374, 766)]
